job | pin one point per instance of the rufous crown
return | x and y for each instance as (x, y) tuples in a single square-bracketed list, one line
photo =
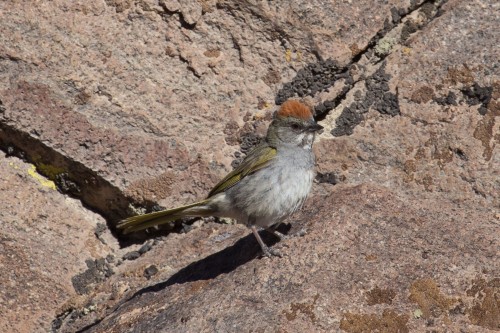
[(295, 109)]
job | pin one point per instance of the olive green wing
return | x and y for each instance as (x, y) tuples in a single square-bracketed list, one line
[(255, 160)]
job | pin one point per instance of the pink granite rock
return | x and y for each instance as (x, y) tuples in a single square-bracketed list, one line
[(130, 104), (45, 240)]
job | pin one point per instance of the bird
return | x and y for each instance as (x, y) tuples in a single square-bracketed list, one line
[(270, 184)]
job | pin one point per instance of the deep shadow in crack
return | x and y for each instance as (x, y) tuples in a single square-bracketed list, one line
[(222, 262)]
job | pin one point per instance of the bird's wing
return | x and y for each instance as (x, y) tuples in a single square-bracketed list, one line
[(255, 160)]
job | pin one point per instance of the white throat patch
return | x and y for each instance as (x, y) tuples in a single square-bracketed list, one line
[(307, 140)]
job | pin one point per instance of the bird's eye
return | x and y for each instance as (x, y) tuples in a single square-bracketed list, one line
[(295, 127)]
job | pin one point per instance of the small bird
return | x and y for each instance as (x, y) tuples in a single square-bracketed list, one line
[(270, 184)]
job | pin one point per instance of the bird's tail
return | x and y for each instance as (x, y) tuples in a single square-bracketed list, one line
[(141, 222)]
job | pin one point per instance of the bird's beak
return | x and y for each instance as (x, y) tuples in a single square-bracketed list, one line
[(314, 128)]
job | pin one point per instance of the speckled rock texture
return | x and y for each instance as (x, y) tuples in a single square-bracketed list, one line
[(45, 240), (116, 107)]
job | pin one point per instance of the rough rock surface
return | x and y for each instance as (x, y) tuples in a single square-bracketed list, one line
[(135, 91), (45, 239), (126, 105), (371, 260)]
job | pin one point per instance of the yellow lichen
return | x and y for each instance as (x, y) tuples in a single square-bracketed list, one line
[(41, 179)]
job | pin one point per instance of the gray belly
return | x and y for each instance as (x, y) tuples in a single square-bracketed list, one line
[(271, 194)]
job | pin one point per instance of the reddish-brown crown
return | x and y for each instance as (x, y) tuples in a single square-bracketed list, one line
[(296, 109)]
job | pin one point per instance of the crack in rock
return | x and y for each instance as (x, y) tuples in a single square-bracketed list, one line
[(318, 77)]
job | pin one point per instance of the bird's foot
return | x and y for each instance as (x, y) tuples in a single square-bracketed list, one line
[(266, 250)]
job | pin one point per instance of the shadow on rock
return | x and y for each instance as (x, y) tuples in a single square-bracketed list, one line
[(224, 261)]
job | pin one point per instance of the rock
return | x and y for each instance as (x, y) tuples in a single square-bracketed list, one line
[(150, 271), (45, 240), (131, 106), (370, 258), (130, 98)]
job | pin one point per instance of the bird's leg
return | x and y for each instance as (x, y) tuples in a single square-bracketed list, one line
[(268, 252)]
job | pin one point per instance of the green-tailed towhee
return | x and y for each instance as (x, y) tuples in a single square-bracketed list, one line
[(271, 183)]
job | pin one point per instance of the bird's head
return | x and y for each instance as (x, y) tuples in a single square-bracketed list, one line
[(293, 125)]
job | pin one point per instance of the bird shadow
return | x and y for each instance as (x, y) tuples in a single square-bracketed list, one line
[(222, 262)]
